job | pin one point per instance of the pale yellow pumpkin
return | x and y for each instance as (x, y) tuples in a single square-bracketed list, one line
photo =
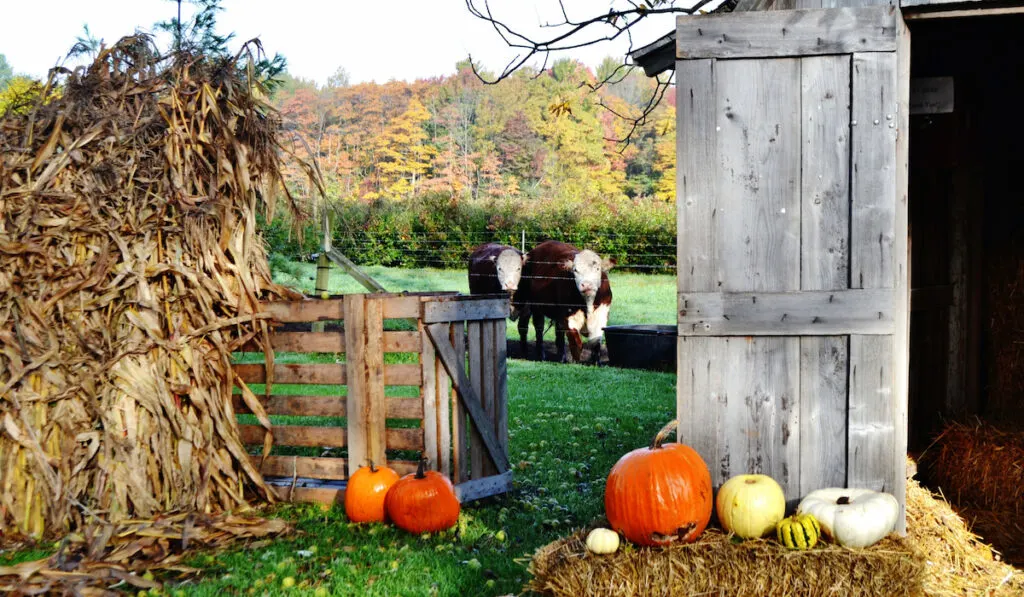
[(603, 541), (750, 506)]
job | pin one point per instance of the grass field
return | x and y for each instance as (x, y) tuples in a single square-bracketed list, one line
[(638, 298), (568, 425)]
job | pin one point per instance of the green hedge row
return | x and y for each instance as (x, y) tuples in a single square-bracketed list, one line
[(434, 231)]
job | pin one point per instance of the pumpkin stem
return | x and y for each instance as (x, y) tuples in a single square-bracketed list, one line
[(667, 429), (372, 469), (421, 469), (843, 501)]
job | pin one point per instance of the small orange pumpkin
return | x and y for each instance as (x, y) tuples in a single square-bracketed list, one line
[(423, 502), (659, 494), (365, 493)]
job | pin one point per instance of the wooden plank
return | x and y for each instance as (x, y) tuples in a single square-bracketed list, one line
[(429, 399), (460, 438), (759, 171), (980, 11), (501, 384), (327, 406), (328, 496), (374, 370), (402, 307), (474, 336), (701, 402), (476, 489), (301, 466), (823, 376), (354, 270), (308, 341), (356, 400), (871, 427), (787, 33), (334, 341), (396, 341), (464, 309), (926, 3), (403, 374), (305, 436), (761, 425), (295, 373), (825, 173), (488, 386), (811, 312), (873, 215), (696, 177), (297, 435), (444, 395), (306, 310), (467, 395), (901, 269), (404, 439)]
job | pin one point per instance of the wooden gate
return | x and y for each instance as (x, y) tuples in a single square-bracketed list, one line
[(366, 389), (792, 254)]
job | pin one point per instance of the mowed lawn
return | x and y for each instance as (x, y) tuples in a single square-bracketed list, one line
[(637, 298), (568, 424)]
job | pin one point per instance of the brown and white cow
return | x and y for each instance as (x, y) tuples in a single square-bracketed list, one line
[(568, 286), (495, 269)]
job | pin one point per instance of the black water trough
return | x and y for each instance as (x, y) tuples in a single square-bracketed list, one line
[(641, 346)]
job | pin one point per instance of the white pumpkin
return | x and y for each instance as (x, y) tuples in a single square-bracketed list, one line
[(852, 517), (603, 541)]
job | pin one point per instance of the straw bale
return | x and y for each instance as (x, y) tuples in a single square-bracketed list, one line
[(938, 557), (1004, 277), (980, 468), (130, 269), (716, 565), (957, 562)]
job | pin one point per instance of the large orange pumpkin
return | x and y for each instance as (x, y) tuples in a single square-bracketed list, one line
[(659, 494), (423, 502), (365, 493)]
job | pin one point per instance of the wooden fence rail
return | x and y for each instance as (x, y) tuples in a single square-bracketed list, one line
[(333, 412)]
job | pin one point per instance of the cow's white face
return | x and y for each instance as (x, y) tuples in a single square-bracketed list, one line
[(586, 269), (509, 265)]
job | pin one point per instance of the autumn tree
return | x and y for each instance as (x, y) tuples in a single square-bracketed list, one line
[(403, 156)]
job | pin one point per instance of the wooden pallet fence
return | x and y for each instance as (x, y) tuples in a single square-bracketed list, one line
[(321, 436)]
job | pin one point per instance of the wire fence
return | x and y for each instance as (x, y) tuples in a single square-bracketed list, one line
[(640, 253)]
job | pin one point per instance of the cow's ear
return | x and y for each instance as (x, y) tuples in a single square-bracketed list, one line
[(567, 265), (608, 263)]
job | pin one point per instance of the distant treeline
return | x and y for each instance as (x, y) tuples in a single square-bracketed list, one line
[(418, 173)]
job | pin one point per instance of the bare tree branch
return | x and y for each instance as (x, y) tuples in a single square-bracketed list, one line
[(573, 34)]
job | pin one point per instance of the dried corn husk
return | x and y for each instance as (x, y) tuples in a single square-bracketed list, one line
[(130, 269)]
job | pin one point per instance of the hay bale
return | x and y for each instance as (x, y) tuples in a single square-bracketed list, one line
[(980, 468), (938, 557), (130, 269), (957, 561), (715, 565)]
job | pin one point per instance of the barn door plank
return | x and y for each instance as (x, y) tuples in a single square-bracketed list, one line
[(460, 437), (759, 170), (872, 393), (429, 395), (474, 338), (824, 265)]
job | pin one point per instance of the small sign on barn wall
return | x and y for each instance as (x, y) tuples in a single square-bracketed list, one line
[(931, 95)]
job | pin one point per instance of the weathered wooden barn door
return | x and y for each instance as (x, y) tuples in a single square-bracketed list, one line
[(792, 251)]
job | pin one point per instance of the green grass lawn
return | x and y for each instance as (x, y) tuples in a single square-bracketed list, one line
[(567, 427), (638, 298)]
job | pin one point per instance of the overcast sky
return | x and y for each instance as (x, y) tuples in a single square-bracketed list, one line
[(374, 40)]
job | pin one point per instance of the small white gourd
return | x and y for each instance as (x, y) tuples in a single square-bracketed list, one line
[(603, 541)]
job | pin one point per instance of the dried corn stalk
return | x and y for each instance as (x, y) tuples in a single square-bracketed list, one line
[(130, 268)]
